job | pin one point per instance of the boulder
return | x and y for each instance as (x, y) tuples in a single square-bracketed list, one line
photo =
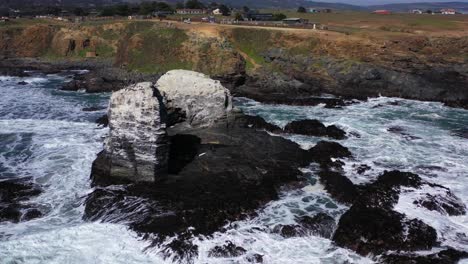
[(201, 99), (136, 148)]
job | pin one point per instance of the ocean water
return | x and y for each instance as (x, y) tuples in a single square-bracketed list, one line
[(46, 136)]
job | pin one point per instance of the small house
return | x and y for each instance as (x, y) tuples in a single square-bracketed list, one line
[(4, 19), (217, 12), (313, 10), (448, 11), (417, 11), (187, 11), (382, 12)]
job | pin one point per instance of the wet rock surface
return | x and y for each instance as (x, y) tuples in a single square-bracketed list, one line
[(372, 226), (13, 195), (320, 224), (314, 128)]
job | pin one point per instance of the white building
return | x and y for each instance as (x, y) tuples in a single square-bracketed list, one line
[(217, 12)]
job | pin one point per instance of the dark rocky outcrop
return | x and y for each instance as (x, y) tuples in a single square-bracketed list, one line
[(228, 250), (13, 194), (103, 121), (314, 128), (323, 151), (338, 186), (372, 226)]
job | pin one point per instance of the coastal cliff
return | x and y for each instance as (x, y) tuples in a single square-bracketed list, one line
[(277, 66)]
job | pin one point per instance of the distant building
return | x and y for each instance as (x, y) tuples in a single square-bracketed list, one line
[(261, 17), (217, 12), (162, 14), (4, 19), (417, 11), (448, 11), (187, 11), (295, 21), (315, 10), (382, 12)]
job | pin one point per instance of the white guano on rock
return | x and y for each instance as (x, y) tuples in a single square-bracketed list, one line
[(201, 99), (137, 144)]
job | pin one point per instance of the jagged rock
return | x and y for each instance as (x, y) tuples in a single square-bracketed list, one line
[(320, 224), (444, 203), (228, 250), (136, 148), (22, 83), (324, 151), (338, 186), (201, 99), (372, 226), (377, 230), (103, 121), (314, 128), (258, 122)]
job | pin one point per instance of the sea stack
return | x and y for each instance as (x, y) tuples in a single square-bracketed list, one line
[(136, 149)]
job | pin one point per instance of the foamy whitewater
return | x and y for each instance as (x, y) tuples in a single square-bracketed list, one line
[(46, 136)]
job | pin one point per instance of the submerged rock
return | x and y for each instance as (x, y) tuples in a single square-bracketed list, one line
[(228, 250), (13, 194), (201, 99), (136, 148), (320, 224)]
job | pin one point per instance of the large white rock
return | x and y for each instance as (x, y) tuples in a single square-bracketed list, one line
[(201, 99), (136, 146)]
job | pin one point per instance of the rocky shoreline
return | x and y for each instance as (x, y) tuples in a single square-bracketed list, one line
[(359, 81), (226, 166)]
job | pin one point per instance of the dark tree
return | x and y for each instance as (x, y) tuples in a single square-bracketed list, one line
[(147, 8), (225, 10), (108, 11), (194, 4), (179, 5), (239, 17), (279, 16), (122, 10), (163, 6), (80, 12), (246, 9), (301, 9)]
